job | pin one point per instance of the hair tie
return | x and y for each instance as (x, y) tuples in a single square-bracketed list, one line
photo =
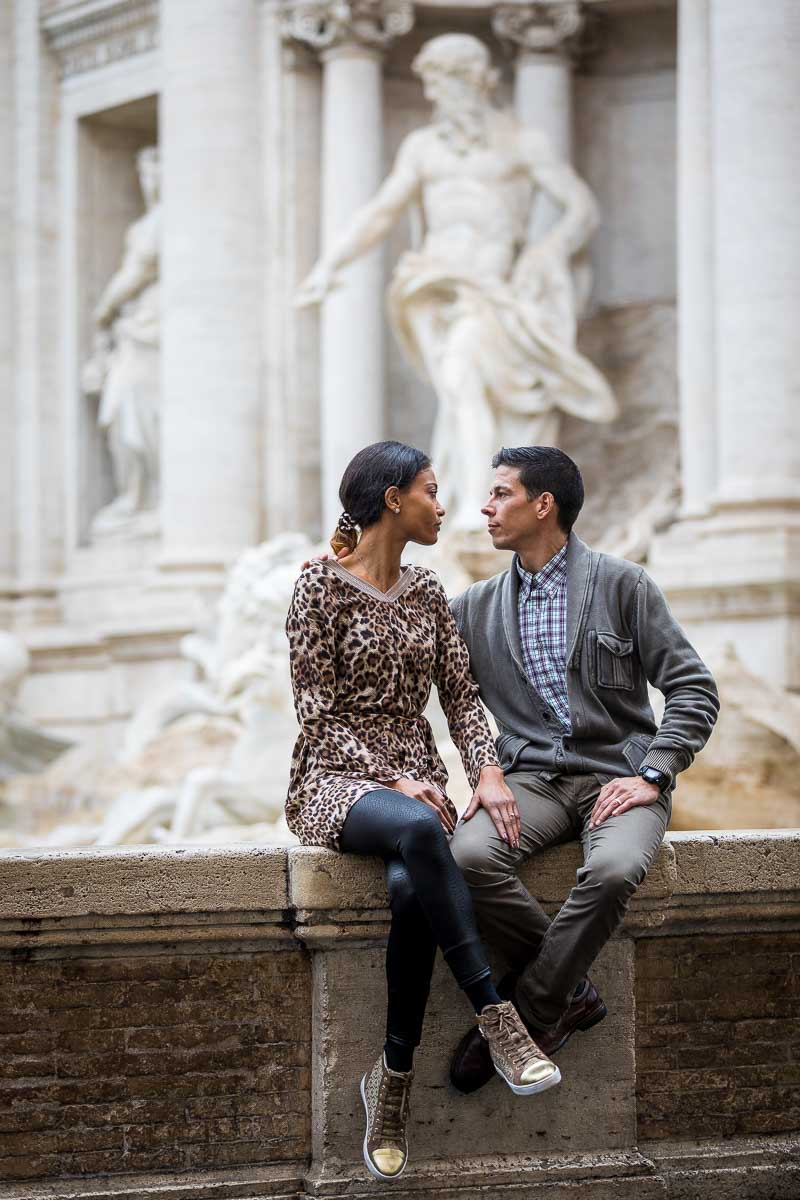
[(346, 523)]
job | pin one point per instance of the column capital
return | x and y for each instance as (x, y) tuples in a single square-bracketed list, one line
[(325, 25), (539, 26)]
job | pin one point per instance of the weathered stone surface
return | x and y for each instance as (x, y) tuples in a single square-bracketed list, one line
[(718, 1035), (229, 1067), (140, 879), (156, 1062), (324, 880), (746, 861)]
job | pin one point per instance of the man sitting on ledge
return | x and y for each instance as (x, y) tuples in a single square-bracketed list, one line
[(563, 645)]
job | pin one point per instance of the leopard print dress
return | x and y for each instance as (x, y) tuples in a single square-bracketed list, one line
[(362, 664)]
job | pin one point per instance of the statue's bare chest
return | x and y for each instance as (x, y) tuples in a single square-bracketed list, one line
[(492, 166)]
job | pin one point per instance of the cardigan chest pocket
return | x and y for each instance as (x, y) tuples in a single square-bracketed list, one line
[(614, 666)]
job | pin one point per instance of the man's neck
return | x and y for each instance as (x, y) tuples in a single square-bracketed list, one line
[(533, 558)]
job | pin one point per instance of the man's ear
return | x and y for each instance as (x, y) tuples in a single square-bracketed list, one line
[(546, 502)]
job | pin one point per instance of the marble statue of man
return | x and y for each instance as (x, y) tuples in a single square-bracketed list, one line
[(124, 368), (486, 316)]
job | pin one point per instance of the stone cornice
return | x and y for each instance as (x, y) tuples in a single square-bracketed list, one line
[(325, 24), (92, 33), (539, 26), (131, 896)]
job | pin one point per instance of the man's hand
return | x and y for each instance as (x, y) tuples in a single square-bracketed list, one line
[(619, 795), (429, 794), (324, 558), (494, 794)]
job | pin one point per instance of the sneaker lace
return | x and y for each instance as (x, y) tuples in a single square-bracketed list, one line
[(395, 1109), (515, 1039)]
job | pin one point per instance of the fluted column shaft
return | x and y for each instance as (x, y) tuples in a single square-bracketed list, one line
[(755, 49), (543, 33), (212, 268), (696, 323), (352, 322), (350, 36)]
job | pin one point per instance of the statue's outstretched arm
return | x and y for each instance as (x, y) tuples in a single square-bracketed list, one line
[(368, 227)]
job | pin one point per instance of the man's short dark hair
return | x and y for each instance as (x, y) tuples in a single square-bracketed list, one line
[(547, 469)]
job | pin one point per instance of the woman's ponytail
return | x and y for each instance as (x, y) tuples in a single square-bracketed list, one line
[(345, 535)]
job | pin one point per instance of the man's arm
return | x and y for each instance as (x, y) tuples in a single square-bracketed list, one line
[(673, 665), (368, 227)]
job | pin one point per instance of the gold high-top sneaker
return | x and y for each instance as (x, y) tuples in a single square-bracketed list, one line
[(516, 1057), (385, 1094)]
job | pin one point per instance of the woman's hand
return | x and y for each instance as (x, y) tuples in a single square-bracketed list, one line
[(429, 794), (494, 794)]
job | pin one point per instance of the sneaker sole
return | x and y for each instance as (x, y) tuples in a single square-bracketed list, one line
[(529, 1089), (373, 1170)]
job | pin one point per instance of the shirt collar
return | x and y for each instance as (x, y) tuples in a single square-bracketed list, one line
[(549, 578)]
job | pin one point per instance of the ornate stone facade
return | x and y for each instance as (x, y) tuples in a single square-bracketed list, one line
[(267, 152), (85, 36)]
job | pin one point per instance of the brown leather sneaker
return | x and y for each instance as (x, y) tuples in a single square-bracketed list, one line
[(385, 1094), (586, 1010), (471, 1066), (515, 1055)]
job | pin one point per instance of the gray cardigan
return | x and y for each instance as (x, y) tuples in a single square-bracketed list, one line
[(620, 635)]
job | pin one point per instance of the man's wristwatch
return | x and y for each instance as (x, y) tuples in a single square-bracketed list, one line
[(660, 778)]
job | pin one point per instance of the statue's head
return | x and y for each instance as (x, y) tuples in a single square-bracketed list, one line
[(148, 165), (455, 68)]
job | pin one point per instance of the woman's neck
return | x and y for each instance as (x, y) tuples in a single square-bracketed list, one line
[(377, 558)]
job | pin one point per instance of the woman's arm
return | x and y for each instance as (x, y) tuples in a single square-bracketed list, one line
[(458, 693), (469, 728)]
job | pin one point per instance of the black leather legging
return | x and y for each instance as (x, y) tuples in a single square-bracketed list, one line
[(429, 901)]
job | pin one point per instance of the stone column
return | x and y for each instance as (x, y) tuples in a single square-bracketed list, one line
[(7, 549), (544, 33), (38, 442), (696, 333), (733, 576), (291, 116), (350, 38), (755, 49), (212, 266)]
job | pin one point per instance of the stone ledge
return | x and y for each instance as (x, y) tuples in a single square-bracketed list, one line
[(746, 860), (322, 880), (134, 880), (54, 885), (284, 1182)]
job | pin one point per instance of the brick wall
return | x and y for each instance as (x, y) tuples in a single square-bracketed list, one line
[(159, 1062), (718, 1035)]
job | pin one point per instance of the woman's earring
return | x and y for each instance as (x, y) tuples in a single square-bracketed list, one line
[(396, 512)]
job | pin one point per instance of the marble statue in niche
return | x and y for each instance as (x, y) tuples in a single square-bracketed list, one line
[(124, 367), (488, 317)]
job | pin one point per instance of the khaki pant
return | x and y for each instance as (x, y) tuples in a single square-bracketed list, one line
[(553, 956)]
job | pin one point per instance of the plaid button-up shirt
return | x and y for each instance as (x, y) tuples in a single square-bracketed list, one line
[(543, 631)]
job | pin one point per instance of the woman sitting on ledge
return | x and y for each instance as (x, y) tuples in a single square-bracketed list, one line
[(367, 638)]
